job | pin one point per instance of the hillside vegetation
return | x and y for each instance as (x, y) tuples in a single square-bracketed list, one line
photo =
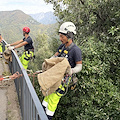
[(12, 23)]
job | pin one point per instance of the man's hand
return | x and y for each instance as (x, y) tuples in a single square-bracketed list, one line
[(11, 48), (15, 75), (7, 45), (71, 72)]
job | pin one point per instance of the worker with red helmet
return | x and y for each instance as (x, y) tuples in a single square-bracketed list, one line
[(28, 47)]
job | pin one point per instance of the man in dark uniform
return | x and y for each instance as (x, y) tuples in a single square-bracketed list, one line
[(28, 47), (73, 53)]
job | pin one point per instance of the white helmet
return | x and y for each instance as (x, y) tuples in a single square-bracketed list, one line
[(67, 27)]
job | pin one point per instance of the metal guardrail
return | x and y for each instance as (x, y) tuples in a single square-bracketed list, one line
[(31, 108)]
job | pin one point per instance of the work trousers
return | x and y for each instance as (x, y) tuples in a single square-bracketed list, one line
[(1, 47), (25, 58), (51, 101)]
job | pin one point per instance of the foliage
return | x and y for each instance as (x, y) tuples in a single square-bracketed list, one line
[(90, 17), (96, 96), (42, 52), (54, 43)]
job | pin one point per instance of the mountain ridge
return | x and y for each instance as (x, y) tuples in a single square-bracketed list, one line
[(16, 14), (45, 18), (12, 23)]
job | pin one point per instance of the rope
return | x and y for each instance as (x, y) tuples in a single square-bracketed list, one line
[(33, 74), (14, 76)]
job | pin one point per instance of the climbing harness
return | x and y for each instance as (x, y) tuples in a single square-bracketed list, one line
[(27, 52), (74, 81), (66, 80), (64, 51), (65, 84)]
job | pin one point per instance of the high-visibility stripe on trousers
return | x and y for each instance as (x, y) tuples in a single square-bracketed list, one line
[(1, 47), (25, 58), (51, 101)]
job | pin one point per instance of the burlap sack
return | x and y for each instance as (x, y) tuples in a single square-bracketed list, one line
[(7, 55), (54, 70)]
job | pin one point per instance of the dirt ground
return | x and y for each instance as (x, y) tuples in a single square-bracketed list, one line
[(12, 109), (11, 104)]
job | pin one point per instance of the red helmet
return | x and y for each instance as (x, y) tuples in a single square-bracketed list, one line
[(26, 29)]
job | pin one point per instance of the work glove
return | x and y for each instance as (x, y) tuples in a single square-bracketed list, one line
[(11, 47), (39, 71), (7, 45), (69, 71)]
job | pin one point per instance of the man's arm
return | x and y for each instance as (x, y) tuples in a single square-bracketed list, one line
[(77, 68), (0, 38), (16, 43), (21, 44), (17, 46), (56, 54)]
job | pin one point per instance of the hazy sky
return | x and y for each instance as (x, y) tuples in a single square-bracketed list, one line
[(27, 6)]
